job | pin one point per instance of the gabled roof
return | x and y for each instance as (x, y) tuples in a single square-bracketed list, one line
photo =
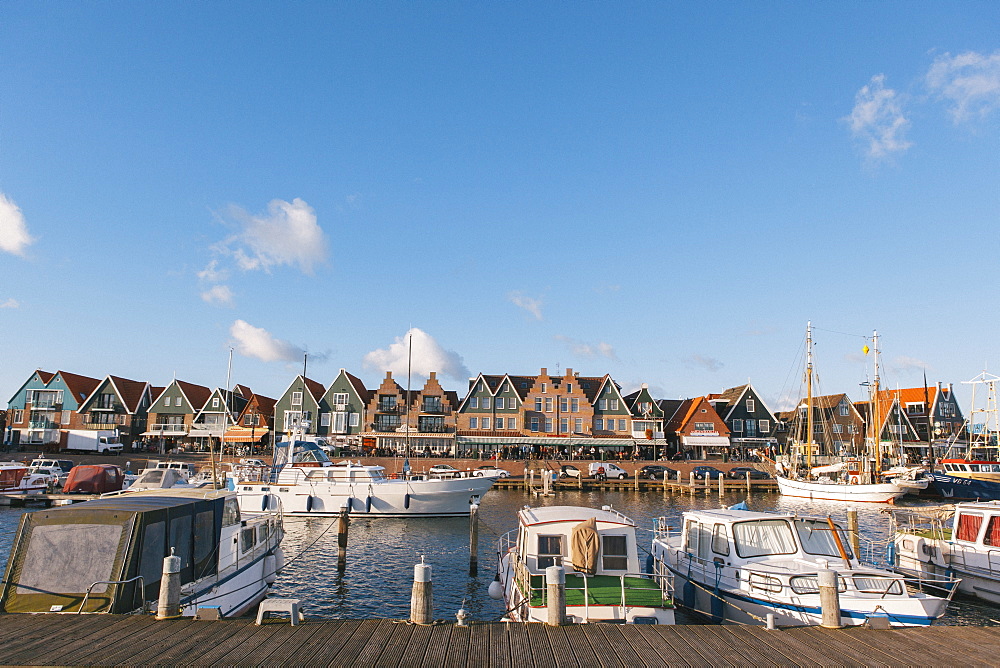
[(80, 386), (733, 395), (243, 391), (196, 395), (358, 386), (129, 391)]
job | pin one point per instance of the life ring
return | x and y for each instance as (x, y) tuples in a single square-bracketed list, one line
[(855, 480)]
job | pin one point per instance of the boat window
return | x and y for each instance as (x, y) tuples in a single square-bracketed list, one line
[(180, 539), (720, 540), (947, 467), (963, 467), (760, 538), (615, 553), (246, 539), (764, 582), (968, 527), (231, 513), (261, 532), (974, 467), (204, 535), (691, 540), (878, 585), (549, 551), (817, 538), (809, 584), (153, 550), (53, 560), (992, 536), (153, 477)]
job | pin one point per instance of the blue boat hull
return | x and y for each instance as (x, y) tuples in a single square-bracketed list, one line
[(952, 487)]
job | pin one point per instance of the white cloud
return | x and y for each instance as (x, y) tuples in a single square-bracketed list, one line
[(707, 363), (529, 304), (10, 303), (877, 120), (14, 237), (287, 234), (583, 349), (212, 273), (903, 363), (218, 294), (427, 356), (970, 82), (255, 342)]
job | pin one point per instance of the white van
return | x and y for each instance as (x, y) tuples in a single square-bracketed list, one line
[(610, 470)]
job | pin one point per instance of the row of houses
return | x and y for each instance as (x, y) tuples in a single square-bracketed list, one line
[(553, 414)]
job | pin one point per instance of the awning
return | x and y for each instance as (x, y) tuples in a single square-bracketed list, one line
[(564, 441), (244, 435), (204, 433), (705, 441)]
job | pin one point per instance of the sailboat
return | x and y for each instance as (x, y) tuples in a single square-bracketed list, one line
[(860, 485)]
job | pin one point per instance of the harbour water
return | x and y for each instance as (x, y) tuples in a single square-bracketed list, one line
[(382, 552)]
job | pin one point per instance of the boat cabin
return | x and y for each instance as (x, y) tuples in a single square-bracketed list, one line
[(739, 537), (186, 469), (975, 469), (309, 463), (978, 524), (550, 536)]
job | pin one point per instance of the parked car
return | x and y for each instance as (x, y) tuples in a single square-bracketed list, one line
[(610, 470), (569, 471), (489, 471), (656, 472), (710, 472), (445, 471), (744, 472)]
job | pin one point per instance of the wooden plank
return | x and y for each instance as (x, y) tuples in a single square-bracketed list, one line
[(161, 647), (541, 648), (414, 654), (392, 653), (520, 644), (457, 653), (229, 638), (562, 650), (903, 645), (382, 636), (974, 644), (481, 652), (778, 647), (707, 641), (598, 643), (321, 647), (280, 636), (104, 639), (617, 642), (79, 628), (748, 645), (437, 646), (500, 642), (664, 650), (694, 652), (638, 643), (836, 649), (355, 645)]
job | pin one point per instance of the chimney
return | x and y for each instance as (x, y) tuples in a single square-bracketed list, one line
[(388, 375), (433, 375), (569, 372), (544, 372)]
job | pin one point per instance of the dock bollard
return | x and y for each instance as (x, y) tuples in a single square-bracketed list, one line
[(691, 483), (343, 522), (771, 626), (555, 582), (722, 485), (422, 598), (169, 605), (852, 532), (473, 540), (829, 598)]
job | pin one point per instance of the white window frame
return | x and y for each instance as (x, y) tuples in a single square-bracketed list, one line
[(296, 398)]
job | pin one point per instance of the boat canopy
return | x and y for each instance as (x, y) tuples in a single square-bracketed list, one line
[(102, 545)]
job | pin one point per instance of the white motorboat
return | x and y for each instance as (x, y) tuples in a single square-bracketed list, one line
[(106, 555), (964, 542), (739, 566), (833, 490), (16, 478), (598, 550), (306, 483)]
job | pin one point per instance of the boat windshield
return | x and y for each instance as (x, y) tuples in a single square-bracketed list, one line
[(817, 538), (308, 452), (761, 538)]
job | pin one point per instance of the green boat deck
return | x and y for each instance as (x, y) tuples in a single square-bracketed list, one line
[(603, 590)]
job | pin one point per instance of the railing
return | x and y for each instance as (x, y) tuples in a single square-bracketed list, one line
[(168, 427), (432, 408), (386, 427), (393, 409), (142, 589), (101, 425), (45, 404), (432, 428), (43, 424)]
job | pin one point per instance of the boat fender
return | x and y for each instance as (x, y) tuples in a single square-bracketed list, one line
[(279, 560), (349, 503), (270, 569), (406, 500), (368, 504), (309, 503), (265, 500)]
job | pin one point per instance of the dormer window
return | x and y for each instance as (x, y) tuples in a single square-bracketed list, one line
[(215, 402), (750, 406)]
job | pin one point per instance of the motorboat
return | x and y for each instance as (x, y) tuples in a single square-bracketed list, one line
[(305, 482), (964, 542), (106, 555), (739, 566), (598, 550), (16, 478)]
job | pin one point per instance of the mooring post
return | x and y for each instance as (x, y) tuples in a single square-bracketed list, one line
[(169, 605), (555, 582), (546, 480), (722, 485), (852, 532), (474, 540), (829, 598), (748, 484), (343, 522), (691, 483), (422, 598)]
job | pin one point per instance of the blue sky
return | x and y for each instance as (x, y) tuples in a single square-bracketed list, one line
[(665, 192)]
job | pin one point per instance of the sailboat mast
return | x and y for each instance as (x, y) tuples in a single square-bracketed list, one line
[(876, 411), (809, 396), (409, 368)]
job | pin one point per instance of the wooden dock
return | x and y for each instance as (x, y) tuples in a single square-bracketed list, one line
[(669, 486), (72, 640)]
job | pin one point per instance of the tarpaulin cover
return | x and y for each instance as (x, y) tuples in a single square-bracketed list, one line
[(585, 546), (94, 479)]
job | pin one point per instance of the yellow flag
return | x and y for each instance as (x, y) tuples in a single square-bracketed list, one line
[(865, 350)]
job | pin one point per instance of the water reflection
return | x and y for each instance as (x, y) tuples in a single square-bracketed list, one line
[(381, 553)]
